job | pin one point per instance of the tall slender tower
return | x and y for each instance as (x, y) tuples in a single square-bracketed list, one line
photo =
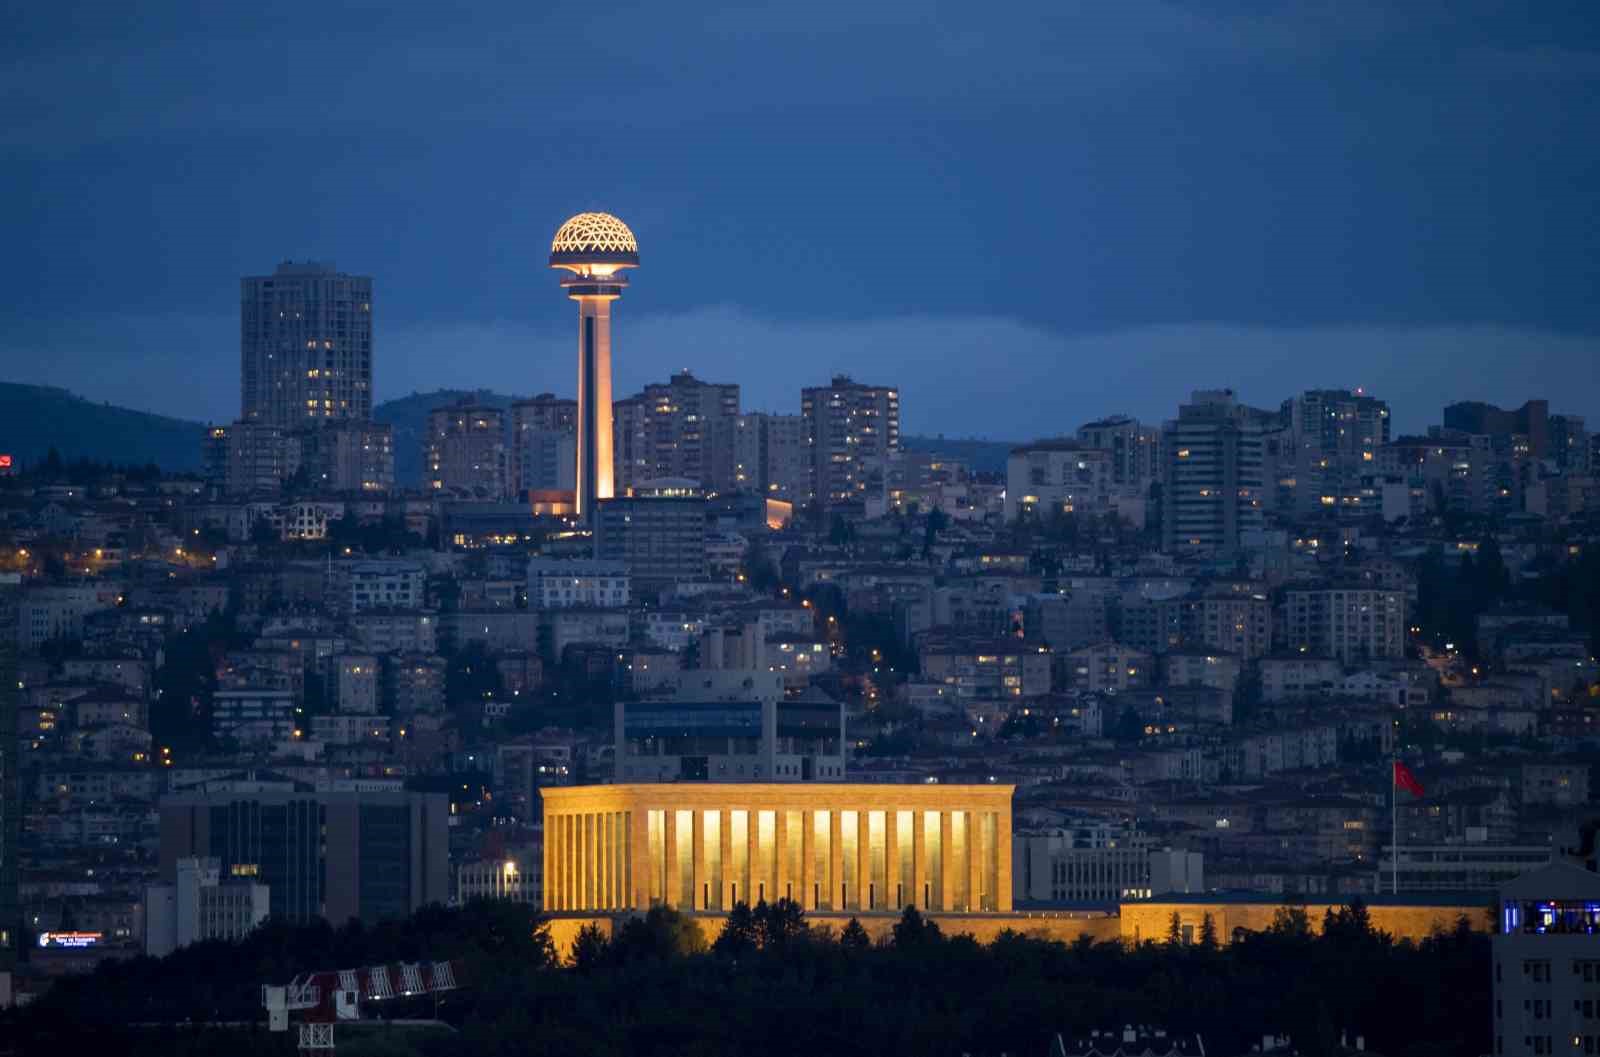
[(594, 247)]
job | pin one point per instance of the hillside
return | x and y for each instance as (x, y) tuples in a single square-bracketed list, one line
[(36, 418)]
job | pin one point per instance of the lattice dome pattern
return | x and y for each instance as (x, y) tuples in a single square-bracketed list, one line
[(594, 233)]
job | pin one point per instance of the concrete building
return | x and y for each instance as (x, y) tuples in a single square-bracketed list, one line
[(988, 670), (1469, 866), (254, 717), (1547, 963), (1053, 477), (352, 457), (544, 444), (464, 452), (201, 905), (1108, 666), (690, 739), (356, 679), (771, 456), (847, 422), (594, 248), (305, 346), (1048, 868), (391, 584), (563, 583), (1531, 421), (1137, 457), (658, 533), (828, 847), (516, 879), (1348, 622), (251, 457), (1215, 480), (335, 855), (689, 428)]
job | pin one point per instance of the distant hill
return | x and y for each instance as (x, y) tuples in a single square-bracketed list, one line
[(981, 456), (36, 418)]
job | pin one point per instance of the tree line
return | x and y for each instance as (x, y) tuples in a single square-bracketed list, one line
[(770, 981)]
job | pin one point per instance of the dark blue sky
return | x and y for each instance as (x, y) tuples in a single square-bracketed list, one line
[(1024, 214)]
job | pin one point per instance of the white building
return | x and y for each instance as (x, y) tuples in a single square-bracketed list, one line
[(565, 584), (253, 716), (201, 906), (518, 879), (384, 584), (1057, 477), (356, 678), (1547, 963), (57, 611), (1049, 868)]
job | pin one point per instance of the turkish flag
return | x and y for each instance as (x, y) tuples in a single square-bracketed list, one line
[(1404, 779)]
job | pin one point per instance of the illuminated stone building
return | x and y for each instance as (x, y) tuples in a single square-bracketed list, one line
[(595, 248), (832, 848)]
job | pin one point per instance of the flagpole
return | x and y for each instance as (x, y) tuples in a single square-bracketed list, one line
[(1394, 823)]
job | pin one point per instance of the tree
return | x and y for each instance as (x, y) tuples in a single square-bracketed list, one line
[(1208, 933), (777, 925), (914, 931), (853, 937), (590, 948), (1290, 922), (738, 936), (1129, 727), (1174, 931)]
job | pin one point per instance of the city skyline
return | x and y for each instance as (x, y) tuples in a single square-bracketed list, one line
[(1222, 193)]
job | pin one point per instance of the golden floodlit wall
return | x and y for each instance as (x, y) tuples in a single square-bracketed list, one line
[(832, 848), (1147, 921)]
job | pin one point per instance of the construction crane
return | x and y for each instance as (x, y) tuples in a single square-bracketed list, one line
[(316, 1001)]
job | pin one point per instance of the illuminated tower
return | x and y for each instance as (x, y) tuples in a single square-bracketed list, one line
[(594, 247)]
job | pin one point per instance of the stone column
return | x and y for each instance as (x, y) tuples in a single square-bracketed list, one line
[(808, 859), (946, 863), (864, 859), (1002, 848), (725, 839), (835, 860), (974, 862), (780, 853), (919, 859), (699, 850), (669, 841), (891, 861), (642, 866)]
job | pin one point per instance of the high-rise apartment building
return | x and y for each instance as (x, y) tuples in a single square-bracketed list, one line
[(464, 452), (334, 855), (305, 338), (1053, 477), (847, 422), (630, 443), (1136, 454), (544, 444), (770, 456), (1328, 447), (688, 432), (1215, 480), (1351, 623)]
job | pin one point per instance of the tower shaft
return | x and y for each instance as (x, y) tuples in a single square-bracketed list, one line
[(594, 481)]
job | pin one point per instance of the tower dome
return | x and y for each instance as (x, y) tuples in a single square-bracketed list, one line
[(593, 238)]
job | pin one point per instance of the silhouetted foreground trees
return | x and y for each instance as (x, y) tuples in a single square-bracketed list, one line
[(772, 983)]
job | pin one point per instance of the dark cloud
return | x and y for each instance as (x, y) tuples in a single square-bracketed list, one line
[(844, 174)]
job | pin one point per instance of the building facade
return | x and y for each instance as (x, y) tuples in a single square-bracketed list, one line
[(1546, 955), (828, 847), (768, 740), (305, 346), (846, 423), (200, 905), (659, 535), (334, 855), (1215, 480), (464, 452)]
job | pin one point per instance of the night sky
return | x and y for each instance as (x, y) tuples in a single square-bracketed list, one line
[(1026, 215)]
